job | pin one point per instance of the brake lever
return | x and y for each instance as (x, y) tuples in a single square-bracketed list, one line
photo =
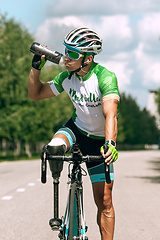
[(106, 167), (44, 164)]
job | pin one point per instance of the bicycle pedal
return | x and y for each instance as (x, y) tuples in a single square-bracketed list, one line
[(55, 223)]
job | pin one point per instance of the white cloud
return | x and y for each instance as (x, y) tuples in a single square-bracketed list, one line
[(149, 25), (154, 72), (149, 32), (114, 30), (147, 53), (53, 30), (120, 67), (113, 27), (149, 68), (69, 21), (101, 7), (131, 45)]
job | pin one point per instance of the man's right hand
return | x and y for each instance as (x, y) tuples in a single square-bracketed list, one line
[(38, 62)]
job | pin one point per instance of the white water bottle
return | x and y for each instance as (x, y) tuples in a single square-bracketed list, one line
[(51, 55)]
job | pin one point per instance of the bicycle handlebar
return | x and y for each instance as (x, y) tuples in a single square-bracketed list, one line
[(75, 157), (87, 158)]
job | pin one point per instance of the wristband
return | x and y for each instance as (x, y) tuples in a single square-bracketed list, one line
[(110, 142)]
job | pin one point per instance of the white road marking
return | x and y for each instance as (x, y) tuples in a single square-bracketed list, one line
[(7, 198), (21, 190), (18, 190), (31, 184)]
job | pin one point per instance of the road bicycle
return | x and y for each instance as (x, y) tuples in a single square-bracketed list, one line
[(72, 225)]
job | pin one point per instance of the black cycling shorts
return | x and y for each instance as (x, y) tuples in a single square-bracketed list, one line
[(88, 146)]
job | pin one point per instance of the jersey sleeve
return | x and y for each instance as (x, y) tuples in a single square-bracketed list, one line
[(108, 86), (56, 83)]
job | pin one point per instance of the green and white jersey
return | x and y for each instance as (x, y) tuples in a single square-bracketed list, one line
[(87, 94)]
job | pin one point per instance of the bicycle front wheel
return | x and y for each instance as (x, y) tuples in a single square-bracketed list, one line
[(74, 213)]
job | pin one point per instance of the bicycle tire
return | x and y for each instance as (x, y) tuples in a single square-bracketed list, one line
[(75, 213)]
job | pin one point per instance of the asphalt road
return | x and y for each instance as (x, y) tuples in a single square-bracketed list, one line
[(26, 203)]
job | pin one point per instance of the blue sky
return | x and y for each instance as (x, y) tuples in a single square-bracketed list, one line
[(30, 13), (130, 30)]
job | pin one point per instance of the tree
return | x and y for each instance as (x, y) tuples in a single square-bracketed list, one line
[(21, 118), (14, 67), (158, 100), (135, 126), (149, 132)]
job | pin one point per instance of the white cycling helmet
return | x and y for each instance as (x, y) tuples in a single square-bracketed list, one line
[(84, 40)]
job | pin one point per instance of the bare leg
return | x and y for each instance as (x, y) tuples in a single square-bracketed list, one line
[(62, 136), (105, 215)]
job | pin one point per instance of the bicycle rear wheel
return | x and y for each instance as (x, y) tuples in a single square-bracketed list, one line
[(75, 213)]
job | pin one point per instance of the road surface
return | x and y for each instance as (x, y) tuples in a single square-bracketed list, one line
[(26, 203)]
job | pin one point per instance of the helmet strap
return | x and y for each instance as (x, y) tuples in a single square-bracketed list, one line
[(82, 66)]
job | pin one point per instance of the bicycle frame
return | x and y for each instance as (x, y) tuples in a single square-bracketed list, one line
[(75, 175), (65, 223)]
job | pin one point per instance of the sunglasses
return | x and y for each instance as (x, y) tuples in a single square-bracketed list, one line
[(73, 55)]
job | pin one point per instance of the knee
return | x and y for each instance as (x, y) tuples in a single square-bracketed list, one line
[(107, 207), (106, 201), (108, 211)]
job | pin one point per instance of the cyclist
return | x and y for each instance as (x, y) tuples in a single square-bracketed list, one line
[(94, 92)]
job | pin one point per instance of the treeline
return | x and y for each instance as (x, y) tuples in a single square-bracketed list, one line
[(158, 100), (136, 126), (20, 117), (28, 121)]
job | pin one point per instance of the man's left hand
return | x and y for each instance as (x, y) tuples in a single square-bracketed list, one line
[(111, 155)]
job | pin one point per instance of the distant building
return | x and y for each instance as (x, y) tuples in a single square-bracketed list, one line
[(152, 107)]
